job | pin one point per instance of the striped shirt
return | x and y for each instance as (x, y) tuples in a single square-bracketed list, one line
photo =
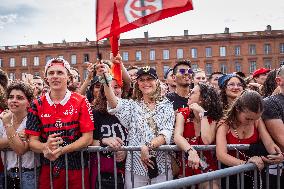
[(132, 115), (71, 117)]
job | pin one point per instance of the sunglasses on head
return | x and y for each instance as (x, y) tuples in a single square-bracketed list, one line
[(185, 71)]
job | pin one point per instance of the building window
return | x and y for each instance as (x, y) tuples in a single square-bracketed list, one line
[(252, 49), (73, 59), (222, 51), (237, 50), (194, 67), (152, 54), (281, 48), (12, 62), (194, 53), (125, 56), (179, 53), (223, 68), (252, 66), (166, 54), (208, 52), (24, 61), (61, 56), (36, 61), (267, 63), (208, 68), (166, 68), (1, 62), (267, 49), (138, 55), (238, 67), (12, 76), (47, 58), (86, 58)]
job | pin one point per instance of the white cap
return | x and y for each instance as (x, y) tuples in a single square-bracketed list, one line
[(57, 60)]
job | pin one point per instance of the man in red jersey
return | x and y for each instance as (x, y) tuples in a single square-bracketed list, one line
[(59, 124)]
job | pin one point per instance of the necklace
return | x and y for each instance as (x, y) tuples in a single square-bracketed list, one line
[(237, 134)]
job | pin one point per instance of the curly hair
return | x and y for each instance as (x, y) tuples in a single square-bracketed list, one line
[(155, 96), (101, 101), (24, 87), (3, 79), (249, 100), (270, 84), (223, 88), (210, 101)]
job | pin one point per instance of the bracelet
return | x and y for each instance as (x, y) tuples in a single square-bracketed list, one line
[(187, 152), (106, 79), (11, 137), (150, 145)]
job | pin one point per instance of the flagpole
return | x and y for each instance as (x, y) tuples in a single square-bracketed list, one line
[(99, 58)]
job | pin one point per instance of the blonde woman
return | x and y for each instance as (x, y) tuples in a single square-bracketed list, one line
[(149, 118)]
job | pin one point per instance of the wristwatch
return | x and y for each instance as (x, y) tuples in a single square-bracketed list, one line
[(150, 145), (203, 114)]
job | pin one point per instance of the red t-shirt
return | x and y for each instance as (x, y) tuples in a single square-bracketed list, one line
[(71, 117), (189, 135), (231, 139)]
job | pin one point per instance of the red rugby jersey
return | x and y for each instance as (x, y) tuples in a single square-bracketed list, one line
[(71, 117)]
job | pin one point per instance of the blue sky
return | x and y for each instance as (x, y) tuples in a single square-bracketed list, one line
[(51, 21)]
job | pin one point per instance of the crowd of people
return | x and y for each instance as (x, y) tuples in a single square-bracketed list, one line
[(45, 122)]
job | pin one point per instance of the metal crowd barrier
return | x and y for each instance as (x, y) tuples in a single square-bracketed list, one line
[(178, 183)]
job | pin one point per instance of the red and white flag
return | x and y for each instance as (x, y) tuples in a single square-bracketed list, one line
[(114, 17)]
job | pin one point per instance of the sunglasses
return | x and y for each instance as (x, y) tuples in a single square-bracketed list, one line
[(185, 71), (201, 78)]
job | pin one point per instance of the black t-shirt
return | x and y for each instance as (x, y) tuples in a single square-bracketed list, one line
[(178, 101), (274, 107), (107, 125)]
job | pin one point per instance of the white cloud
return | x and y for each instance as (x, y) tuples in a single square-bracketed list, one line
[(7, 19), (54, 20)]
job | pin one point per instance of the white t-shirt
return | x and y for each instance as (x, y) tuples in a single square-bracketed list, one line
[(28, 158)]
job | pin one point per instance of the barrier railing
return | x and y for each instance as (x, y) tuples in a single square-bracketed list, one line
[(179, 183)]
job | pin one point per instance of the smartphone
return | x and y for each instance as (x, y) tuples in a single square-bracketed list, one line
[(153, 172)]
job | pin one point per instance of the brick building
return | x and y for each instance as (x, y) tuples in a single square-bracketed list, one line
[(226, 52)]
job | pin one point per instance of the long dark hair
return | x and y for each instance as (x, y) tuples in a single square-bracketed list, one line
[(249, 100), (223, 88), (210, 101), (101, 101), (270, 84)]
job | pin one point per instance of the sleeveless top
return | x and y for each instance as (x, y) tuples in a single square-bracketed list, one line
[(209, 159), (231, 139)]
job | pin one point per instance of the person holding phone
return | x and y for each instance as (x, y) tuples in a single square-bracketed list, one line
[(242, 124), (196, 125), (149, 118), (273, 117)]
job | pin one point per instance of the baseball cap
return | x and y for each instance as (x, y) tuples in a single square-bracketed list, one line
[(260, 71), (222, 80), (53, 61), (147, 70)]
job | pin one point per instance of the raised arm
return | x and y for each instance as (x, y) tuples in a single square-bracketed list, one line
[(88, 80), (105, 78)]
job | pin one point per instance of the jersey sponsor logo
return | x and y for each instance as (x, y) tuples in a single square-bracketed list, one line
[(45, 115), (70, 111), (89, 109), (135, 9)]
